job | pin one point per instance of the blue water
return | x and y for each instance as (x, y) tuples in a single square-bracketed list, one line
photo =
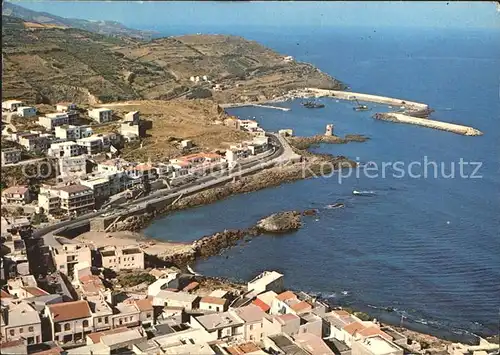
[(429, 248)]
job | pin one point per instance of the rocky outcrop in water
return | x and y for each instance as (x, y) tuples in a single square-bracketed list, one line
[(281, 222)]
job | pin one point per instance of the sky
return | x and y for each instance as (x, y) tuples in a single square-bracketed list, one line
[(154, 15)]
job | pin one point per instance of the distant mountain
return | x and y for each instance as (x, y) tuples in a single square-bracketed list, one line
[(110, 28)]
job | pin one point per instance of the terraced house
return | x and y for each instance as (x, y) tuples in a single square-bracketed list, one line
[(20, 321), (70, 322)]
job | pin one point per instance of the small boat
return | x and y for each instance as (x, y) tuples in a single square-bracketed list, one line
[(312, 104), (363, 193), (361, 107), (335, 205)]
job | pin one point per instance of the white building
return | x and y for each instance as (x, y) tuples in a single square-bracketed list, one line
[(267, 281), (122, 258), (64, 149), (72, 133), (75, 199), (72, 166), (166, 298), (65, 106), (91, 145), (101, 115), (11, 105), (49, 200), (248, 124), (52, 120), (26, 111), (21, 321), (375, 345), (220, 325)]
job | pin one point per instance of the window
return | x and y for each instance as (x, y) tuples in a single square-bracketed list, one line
[(106, 320), (21, 330), (148, 315), (99, 320), (12, 332), (30, 329), (57, 327), (251, 326), (67, 326), (85, 323)]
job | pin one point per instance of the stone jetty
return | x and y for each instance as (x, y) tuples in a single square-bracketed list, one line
[(444, 126)]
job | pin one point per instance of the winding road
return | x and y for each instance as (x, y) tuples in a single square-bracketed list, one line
[(280, 153)]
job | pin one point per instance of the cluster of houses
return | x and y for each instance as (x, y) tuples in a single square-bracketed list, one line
[(85, 183), (174, 316), (62, 138)]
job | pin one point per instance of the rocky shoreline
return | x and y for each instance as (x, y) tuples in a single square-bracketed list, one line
[(214, 244)]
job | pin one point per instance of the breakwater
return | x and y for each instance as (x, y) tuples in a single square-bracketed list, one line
[(444, 126)]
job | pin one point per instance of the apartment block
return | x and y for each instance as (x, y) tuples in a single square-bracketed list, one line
[(64, 149), (76, 199), (52, 120), (101, 115), (66, 256), (122, 258), (72, 133)]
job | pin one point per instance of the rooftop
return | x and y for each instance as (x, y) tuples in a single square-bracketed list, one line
[(250, 313), (218, 320), (267, 276), (15, 190), (213, 300), (258, 302), (286, 318), (96, 337), (353, 328), (122, 337), (75, 188), (176, 296), (145, 304), (35, 291), (69, 310), (286, 296), (244, 348), (313, 344), (377, 345), (22, 314), (287, 345), (300, 306)]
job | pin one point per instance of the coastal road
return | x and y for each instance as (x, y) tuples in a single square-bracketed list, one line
[(280, 154)]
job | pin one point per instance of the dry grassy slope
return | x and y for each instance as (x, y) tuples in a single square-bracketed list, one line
[(53, 64), (175, 120)]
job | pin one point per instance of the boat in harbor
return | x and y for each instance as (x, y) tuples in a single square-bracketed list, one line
[(313, 104), (363, 193), (361, 107), (335, 205)]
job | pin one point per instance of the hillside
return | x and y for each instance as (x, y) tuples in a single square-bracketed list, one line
[(46, 64), (111, 28)]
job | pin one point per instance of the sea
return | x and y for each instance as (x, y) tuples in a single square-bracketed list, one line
[(420, 247)]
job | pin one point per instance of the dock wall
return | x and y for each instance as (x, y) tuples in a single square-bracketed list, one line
[(444, 126)]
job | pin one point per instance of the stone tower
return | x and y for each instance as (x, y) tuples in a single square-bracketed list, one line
[(329, 130)]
